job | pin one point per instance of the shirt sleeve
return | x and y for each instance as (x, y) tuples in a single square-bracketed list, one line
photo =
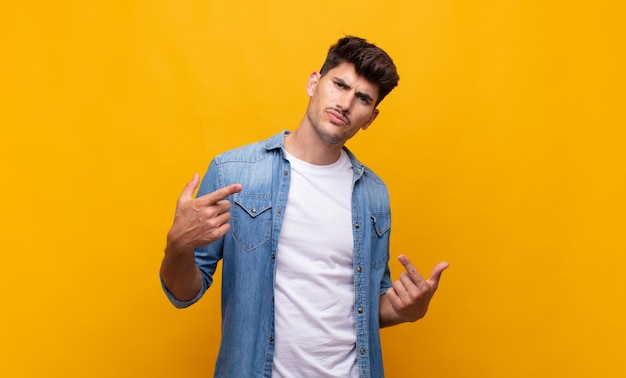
[(178, 303), (385, 284), (207, 256)]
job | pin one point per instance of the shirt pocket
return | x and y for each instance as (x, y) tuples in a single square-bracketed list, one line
[(251, 220), (381, 223)]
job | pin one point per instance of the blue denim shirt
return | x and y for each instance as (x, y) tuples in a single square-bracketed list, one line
[(249, 256)]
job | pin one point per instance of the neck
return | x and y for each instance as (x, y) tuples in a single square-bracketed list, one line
[(305, 144)]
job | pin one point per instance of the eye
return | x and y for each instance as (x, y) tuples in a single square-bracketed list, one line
[(364, 99), (341, 85)]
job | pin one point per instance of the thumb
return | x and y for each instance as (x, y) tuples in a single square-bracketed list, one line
[(190, 188), (436, 274)]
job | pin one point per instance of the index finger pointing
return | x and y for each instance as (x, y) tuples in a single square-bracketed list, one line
[(409, 267), (220, 194)]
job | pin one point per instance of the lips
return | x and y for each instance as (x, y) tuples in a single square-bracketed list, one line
[(337, 118)]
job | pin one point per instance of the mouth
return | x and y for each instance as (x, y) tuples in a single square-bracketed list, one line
[(337, 117)]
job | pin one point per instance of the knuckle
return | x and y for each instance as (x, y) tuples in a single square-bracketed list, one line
[(211, 223), (208, 214), (214, 234)]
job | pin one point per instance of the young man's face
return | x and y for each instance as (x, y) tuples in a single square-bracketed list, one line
[(341, 103)]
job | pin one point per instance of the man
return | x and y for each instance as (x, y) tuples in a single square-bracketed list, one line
[(303, 239)]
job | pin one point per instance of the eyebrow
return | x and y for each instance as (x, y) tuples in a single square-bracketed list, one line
[(365, 95)]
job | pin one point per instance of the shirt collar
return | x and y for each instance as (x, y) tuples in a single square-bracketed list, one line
[(278, 142)]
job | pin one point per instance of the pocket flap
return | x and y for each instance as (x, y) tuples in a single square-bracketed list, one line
[(381, 223), (253, 204)]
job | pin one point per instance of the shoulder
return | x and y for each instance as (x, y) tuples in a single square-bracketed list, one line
[(371, 186), (252, 152), (372, 176), (366, 173), (248, 153)]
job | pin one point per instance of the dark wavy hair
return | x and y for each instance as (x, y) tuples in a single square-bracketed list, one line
[(369, 61)]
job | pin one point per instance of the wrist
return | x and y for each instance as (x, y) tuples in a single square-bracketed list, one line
[(175, 248)]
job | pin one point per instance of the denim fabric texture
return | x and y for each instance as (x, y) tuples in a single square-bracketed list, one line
[(248, 254)]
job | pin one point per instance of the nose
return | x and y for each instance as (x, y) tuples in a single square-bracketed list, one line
[(344, 101)]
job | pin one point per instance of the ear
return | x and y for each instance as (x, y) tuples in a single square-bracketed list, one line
[(371, 119), (314, 78)]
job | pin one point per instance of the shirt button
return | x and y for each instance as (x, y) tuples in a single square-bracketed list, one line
[(360, 310), (358, 225), (273, 256), (285, 173), (272, 339), (279, 212), (362, 351), (358, 269), (253, 210)]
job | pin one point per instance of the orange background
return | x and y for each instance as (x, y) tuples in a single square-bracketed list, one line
[(503, 148)]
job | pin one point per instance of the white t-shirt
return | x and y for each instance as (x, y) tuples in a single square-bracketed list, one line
[(314, 287)]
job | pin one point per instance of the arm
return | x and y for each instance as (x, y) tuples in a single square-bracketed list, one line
[(197, 222), (408, 299)]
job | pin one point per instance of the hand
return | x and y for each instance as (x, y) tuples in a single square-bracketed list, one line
[(410, 295), (202, 220)]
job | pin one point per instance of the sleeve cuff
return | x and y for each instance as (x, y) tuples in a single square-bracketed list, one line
[(178, 303)]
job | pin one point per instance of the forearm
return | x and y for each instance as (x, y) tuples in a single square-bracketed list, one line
[(387, 315), (180, 274)]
